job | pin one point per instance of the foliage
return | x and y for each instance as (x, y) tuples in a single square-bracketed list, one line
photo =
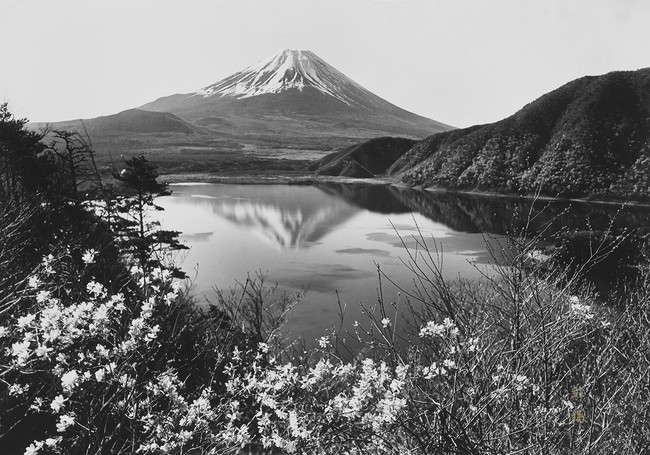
[(588, 138), (138, 235), (102, 352)]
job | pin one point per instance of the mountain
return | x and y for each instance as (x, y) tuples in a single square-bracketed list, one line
[(294, 93), (134, 121), (364, 160), (590, 137)]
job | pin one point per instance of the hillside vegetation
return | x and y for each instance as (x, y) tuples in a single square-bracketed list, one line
[(367, 159), (590, 137)]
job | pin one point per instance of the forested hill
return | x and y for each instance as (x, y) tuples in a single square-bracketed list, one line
[(590, 137)]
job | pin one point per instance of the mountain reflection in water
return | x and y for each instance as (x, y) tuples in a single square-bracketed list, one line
[(331, 237), (282, 216)]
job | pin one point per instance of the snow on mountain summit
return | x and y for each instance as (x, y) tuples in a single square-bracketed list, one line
[(288, 69)]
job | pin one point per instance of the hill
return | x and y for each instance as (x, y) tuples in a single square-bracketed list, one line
[(364, 160), (589, 137), (133, 121)]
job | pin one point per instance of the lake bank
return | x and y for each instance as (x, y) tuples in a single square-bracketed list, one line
[(312, 179)]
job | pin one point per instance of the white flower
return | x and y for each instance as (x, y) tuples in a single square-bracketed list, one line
[(449, 363), (26, 320), (433, 371), (64, 422), (89, 256), (99, 375), (20, 350), (574, 299), (69, 380), (3, 331), (42, 351), (42, 296), (581, 310), (17, 389), (96, 289), (323, 342), (58, 403), (385, 322), (52, 335), (33, 282), (101, 350), (432, 329), (263, 347), (33, 448)]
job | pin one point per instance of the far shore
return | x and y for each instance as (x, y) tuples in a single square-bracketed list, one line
[(312, 179)]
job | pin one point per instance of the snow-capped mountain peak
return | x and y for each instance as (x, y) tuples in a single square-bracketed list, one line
[(288, 69)]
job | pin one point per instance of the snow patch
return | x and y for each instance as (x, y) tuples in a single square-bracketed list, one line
[(288, 69)]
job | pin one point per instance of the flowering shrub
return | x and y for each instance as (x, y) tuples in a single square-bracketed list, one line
[(102, 352)]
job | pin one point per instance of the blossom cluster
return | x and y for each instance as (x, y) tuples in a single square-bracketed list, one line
[(66, 351), (291, 409)]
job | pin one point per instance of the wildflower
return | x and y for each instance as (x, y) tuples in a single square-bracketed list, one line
[(47, 264), (448, 363), (263, 347), (17, 389), (58, 403), (89, 256), (64, 422), (20, 350), (432, 329), (581, 310), (37, 404), (433, 371), (96, 289), (99, 375), (323, 342), (473, 344), (25, 321), (385, 322), (33, 448), (3, 331), (42, 351), (33, 282), (69, 380), (521, 381)]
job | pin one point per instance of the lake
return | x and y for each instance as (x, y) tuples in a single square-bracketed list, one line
[(330, 238)]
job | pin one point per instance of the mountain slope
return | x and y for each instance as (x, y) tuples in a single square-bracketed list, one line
[(133, 121), (590, 137), (364, 160), (289, 92)]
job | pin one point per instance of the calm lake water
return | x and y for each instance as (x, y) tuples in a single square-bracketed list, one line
[(331, 237)]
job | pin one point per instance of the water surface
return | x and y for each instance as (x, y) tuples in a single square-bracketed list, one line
[(330, 238)]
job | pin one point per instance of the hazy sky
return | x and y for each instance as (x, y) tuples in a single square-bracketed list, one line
[(461, 62)]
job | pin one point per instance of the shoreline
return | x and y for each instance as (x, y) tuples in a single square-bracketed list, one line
[(312, 179)]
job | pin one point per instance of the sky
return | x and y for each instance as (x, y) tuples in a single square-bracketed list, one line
[(461, 62)]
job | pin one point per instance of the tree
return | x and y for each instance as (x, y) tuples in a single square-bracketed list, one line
[(23, 165), (142, 238)]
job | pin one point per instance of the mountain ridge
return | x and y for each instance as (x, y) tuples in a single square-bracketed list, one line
[(589, 137), (299, 85)]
